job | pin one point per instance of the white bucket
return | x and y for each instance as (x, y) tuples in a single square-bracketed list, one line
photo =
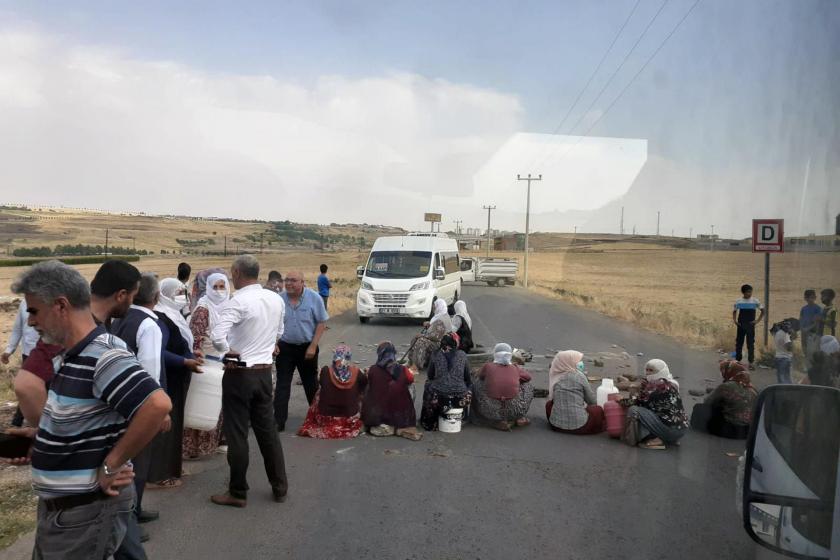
[(450, 421), (204, 397)]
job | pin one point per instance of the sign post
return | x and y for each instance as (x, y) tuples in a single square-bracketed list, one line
[(432, 219), (768, 236)]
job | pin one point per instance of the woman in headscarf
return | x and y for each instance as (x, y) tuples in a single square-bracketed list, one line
[(388, 407), (424, 344), (462, 326), (572, 407), (204, 317), (825, 363), (448, 383), (199, 285), (178, 361), (727, 411), (656, 416), (334, 413), (503, 391)]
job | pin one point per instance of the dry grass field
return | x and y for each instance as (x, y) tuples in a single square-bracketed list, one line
[(686, 294)]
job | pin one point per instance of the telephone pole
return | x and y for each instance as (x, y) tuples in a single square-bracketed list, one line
[(621, 225), (489, 209), (658, 213), (106, 241), (458, 226), (527, 216), (225, 245), (712, 239), (261, 243)]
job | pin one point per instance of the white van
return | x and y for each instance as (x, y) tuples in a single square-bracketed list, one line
[(404, 273)]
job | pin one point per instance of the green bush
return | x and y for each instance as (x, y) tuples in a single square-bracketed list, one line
[(92, 259)]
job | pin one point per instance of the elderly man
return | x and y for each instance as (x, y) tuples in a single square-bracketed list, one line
[(305, 322), (247, 332), (100, 393)]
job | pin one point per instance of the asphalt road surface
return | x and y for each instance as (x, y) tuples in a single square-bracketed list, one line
[(531, 493)]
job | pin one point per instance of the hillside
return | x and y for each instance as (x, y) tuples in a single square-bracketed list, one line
[(22, 227)]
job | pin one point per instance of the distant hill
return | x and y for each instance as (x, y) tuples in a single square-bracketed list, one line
[(24, 227)]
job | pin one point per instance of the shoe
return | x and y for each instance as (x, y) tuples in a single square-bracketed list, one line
[(144, 535), (228, 500), (383, 430), (222, 449), (752, 367), (502, 426), (522, 422), (281, 428), (147, 515), (279, 497)]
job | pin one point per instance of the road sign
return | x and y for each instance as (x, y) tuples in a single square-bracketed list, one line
[(435, 218), (768, 236)]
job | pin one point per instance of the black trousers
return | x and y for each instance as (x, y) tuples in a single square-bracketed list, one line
[(709, 419), (745, 332), (17, 419), (291, 357), (246, 401)]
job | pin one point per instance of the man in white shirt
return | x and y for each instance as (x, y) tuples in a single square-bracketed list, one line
[(22, 334), (249, 326)]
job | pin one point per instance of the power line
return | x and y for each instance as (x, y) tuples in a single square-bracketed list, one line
[(597, 68), (633, 79), (620, 66)]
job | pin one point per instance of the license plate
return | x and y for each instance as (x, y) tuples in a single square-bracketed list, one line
[(391, 310)]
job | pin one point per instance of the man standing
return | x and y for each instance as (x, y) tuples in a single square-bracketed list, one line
[(140, 331), (828, 318), (274, 282), (324, 286), (184, 271), (100, 393), (305, 322), (247, 332), (22, 334), (112, 290)]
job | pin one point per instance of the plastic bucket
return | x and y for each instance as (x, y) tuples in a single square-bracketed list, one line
[(450, 421)]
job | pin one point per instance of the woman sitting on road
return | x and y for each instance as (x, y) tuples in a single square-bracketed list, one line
[(727, 411), (462, 325), (334, 413), (424, 344), (204, 317), (503, 391), (656, 416), (571, 406), (388, 406), (448, 384)]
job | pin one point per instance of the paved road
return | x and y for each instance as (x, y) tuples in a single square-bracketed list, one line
[(482, 494)]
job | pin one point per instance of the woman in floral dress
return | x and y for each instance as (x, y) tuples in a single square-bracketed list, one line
[(656, 416)]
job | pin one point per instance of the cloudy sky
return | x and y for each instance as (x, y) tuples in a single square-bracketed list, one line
[(354, 111)]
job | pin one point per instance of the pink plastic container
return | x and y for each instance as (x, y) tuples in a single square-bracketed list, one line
[(615, 414)]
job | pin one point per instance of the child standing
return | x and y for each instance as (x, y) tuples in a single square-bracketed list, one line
[(783, 335), (744, 317), (828, 317), (324, 285), (809, 317)]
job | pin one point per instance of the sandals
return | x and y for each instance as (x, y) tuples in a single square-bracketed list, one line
[(654, 443), (522, 422), (410, 434), (383, 430), (164, 484)]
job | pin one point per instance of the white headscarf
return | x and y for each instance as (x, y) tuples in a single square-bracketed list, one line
[(660, 371), (442, 314), (213, 300), (829, 345), (502, 354), (461, 309), (169, 288)]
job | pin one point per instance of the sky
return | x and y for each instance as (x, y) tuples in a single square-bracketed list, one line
[(708, 112)]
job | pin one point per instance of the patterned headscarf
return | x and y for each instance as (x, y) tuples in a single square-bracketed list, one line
[(386, 358), (341, 368), (732, 370)]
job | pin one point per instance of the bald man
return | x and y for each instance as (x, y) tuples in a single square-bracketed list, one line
[(304, 324)]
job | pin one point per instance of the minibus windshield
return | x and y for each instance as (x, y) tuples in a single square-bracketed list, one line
[(399, 264)]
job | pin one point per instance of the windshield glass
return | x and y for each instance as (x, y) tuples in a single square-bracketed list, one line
[(399, 264)]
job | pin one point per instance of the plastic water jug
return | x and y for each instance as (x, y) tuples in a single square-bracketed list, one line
[(607, 388), (450, 421), (204, 397), (615, 414)]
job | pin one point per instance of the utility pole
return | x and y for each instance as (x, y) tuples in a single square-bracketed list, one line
[(106, 241), (575, 230), (458, 226), (489, 209), (621, 225), (690, 233), (225, 245), (712, 239), (261, 243), (527, 217), (134, 245), (658, 214)]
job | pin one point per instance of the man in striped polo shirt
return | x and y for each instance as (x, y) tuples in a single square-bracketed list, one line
[(102, 409)]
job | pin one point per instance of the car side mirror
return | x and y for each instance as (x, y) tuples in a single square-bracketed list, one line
[(440, 273), (360, 272), (790, 473)]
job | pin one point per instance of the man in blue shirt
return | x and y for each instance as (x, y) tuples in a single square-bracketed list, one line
[(324, 285), (809, 317), (304, 324)]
